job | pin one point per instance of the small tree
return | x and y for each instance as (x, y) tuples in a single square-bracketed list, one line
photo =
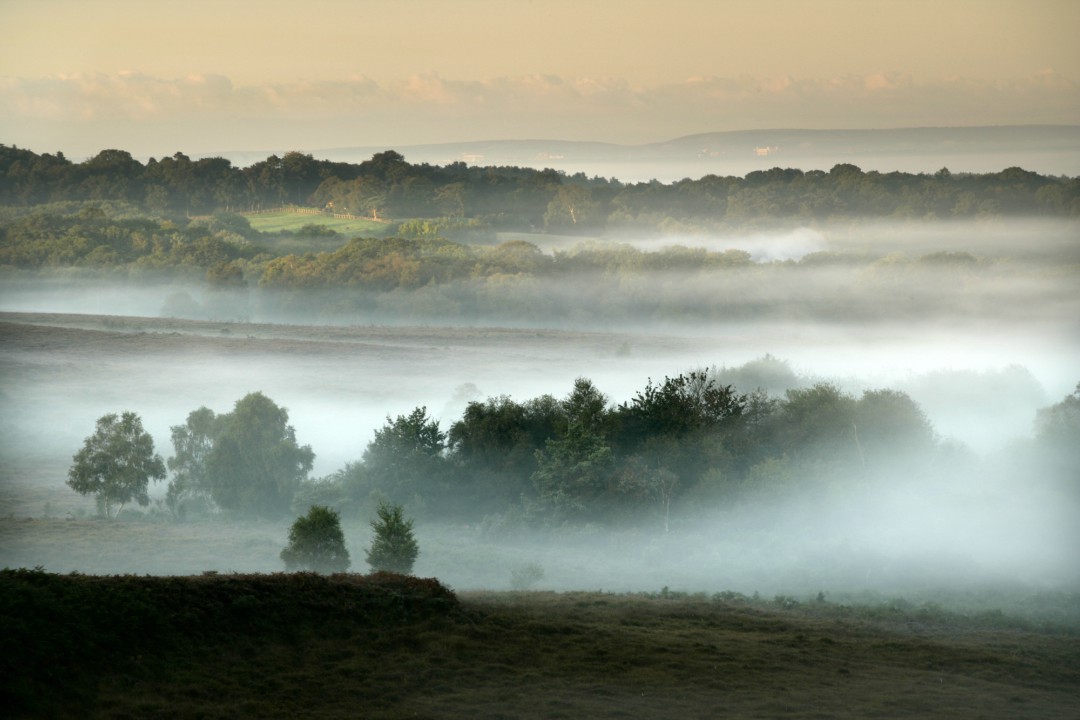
[(316, 543), (116, 463), (394, 548)]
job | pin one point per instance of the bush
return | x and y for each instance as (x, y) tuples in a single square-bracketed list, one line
[(394, 548), (316, 543)]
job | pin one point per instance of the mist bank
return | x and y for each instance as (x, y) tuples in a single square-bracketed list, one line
[(1014, 272), (975, 322), (983, 503)]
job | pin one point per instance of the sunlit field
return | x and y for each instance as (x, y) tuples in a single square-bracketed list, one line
[(276, 222)]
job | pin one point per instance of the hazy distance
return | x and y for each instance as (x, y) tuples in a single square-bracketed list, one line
[(980, 353)]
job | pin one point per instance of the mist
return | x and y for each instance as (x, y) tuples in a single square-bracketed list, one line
[(980, 338)]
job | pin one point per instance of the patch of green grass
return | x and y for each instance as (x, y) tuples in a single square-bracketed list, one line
[(292, 222)]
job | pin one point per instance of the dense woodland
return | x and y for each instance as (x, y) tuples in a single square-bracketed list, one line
[(389, 186)]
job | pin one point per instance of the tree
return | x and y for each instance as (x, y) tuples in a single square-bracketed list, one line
[(116, 463), (1059, 424), (394, 549), (891, 429), (192, 442), (575, 467), (246, 461), (678, 427), (574, 472), (647, 479), (1057, 435), (586, 407), (679, 407), (817, 424), (406, 456), (493, 448), (256, 465), (316, 543), (573, 208)]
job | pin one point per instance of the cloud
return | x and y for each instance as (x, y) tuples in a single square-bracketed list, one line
[(207, 111)]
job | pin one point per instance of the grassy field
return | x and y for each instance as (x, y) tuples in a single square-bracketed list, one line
[(291, 222), (386, 646)]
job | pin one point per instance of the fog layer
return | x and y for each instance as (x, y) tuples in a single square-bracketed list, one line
[(980, 341)]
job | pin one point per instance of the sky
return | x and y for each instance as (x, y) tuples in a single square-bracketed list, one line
[(155, 78)]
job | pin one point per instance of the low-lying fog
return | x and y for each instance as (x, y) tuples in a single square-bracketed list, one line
[(979, 374)]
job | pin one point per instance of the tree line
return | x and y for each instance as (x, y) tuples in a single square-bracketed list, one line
[(428, 277), (111, 237), (685, 444), (518, 198)]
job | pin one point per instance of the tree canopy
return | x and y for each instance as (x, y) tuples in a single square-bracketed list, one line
[(247, 461), (116, 463), (387, 185), (316, 543), (394, 547)]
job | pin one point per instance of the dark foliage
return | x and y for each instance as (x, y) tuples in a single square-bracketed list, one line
[(247, 461), (394, 547), (116, 463), (316, 543), (690, 443), (388, 646), (62, 631)]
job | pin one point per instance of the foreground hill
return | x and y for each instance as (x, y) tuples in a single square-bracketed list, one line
[(389, 646)]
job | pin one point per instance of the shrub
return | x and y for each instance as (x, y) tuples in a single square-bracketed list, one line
[(394, 548), (316, 543)]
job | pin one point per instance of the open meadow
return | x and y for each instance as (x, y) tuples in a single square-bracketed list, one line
[(290, 221)]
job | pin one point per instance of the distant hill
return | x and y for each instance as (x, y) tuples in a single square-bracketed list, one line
[(1046, 149)]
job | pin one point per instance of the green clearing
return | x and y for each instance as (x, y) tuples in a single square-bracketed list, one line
[(280, 238), (291, 222)]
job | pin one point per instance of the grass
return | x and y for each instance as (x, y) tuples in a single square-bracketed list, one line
[(272, 224), (394, 647), (291, 222)]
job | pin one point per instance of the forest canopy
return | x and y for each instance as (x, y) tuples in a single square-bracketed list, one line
[(388, 186)]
